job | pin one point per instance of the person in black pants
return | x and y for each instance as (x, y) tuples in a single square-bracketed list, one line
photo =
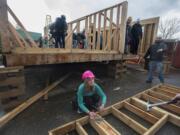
[(136, 32), (61, 31)]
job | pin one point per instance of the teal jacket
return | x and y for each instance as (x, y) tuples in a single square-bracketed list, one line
[(82, 92)]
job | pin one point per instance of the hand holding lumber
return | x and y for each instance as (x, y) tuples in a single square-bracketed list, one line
[(92, 115)]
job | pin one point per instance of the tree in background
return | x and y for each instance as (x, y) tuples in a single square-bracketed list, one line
[(169, 27)]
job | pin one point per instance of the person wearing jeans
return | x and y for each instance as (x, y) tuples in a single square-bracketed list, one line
[(155, 54), (159, 67)]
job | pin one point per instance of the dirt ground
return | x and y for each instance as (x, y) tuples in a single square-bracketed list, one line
[(43, 116)]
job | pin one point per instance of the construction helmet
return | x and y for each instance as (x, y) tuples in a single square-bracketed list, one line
[(88, 74)]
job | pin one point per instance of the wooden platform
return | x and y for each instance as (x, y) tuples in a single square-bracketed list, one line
[(157, 117), (55, 56), (104, 32)]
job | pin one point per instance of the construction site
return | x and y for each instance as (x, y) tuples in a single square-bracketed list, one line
[(39, 83)]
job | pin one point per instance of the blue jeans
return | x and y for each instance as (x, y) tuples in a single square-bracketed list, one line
[(159, 67)]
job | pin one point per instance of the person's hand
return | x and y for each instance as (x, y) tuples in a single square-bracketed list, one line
[(101, 108), (176, 99), (92, 115), (177, 96)]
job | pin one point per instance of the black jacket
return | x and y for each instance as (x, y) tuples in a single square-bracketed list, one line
[(136, 30), (156, 52)]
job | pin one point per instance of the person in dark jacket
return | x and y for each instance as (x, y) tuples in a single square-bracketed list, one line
[(155, 54), (128, 38), (61, 31), (136, 32)]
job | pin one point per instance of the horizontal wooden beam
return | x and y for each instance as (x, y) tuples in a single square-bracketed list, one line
[(166, 92), (80, 129), (143, 105), (28, 50), (157, 126), (174, 89), (129, 121), (103, 127), (11, 69), (145, 115), (82, 18), (159, 95), (150, 21), (39, 59), (64, 129), (7, 117), (171, 86)]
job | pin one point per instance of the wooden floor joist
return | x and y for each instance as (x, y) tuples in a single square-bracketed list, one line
[(150, 118), (129, 121), (137, 105), (103, 127)]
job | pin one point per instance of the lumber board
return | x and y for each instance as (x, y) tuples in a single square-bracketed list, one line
[(11, 69), (117, 29), (165, 92), (4, 33), (150, 21), (123, 27), (157, 126), (107, 18), (110, 31), (174, 89), (13, 81), (129, 121), (68, 39), (15, 34), (6, 118), (80, 129), (12, 93), (143, 114), (142, 105), (171, 86), (64, 129), (38, 59), (99, 32), (82, 18), (21, 25), (104, 29), (103, 127), (94, 32)]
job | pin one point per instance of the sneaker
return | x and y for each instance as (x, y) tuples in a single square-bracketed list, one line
[(148, 81)]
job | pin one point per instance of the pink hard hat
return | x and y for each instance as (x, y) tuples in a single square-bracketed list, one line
[(87, 74)]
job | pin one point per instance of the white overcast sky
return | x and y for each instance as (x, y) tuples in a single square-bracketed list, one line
[(32, 13)]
